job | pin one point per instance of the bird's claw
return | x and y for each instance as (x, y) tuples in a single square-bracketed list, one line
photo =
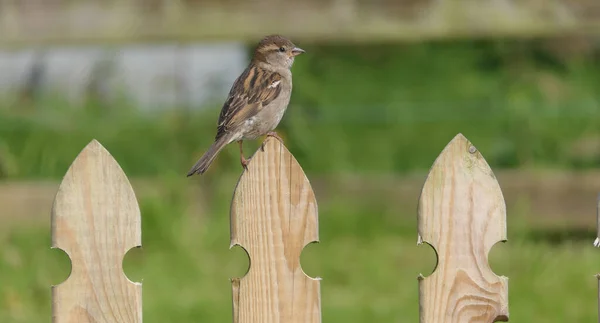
[(271, 134), (274, 135), (244, 162)]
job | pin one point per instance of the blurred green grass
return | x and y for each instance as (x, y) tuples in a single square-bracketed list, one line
[(368, 274), (355, 109)]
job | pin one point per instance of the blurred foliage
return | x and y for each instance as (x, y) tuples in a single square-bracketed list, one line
[(362, 109), (355, 108), (367, 258)]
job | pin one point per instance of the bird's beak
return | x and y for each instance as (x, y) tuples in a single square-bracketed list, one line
[(297, 51)]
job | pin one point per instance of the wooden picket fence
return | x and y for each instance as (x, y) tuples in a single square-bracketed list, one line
[(461, 214)]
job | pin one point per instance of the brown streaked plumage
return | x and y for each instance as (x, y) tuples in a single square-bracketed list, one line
[(257, 100)]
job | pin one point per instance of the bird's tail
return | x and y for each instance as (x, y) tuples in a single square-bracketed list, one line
[(204, 162)]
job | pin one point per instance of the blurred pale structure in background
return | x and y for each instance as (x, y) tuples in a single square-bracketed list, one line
[(200, 65), (154, 76)]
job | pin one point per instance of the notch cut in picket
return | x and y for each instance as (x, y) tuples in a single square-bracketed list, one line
[(462, 214), (273, 217), (96, 220)]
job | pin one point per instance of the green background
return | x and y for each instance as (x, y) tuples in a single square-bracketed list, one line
[(377, 113)]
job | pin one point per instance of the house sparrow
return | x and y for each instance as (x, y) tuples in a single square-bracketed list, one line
[(257, 100)]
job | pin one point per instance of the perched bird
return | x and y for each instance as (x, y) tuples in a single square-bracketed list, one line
[(257, 100)]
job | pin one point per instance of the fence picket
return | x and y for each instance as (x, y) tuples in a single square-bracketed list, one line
[(273, 217), (462, 214), (96, 220)]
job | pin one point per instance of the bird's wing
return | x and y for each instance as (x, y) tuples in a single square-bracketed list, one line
[(252, 91)]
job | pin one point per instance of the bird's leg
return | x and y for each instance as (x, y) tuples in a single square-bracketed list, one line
[(274, 135), (243, 160)]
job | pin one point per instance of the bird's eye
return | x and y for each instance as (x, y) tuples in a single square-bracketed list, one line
[(282, 49)]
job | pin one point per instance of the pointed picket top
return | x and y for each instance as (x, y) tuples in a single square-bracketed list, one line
[(462, 214), (96, 220), (273, 217)]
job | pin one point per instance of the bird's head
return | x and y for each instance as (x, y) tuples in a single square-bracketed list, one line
[(277, 51)]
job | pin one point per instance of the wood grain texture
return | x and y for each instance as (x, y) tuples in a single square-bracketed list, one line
[(273, 217), (96, 220), (462, 214)]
